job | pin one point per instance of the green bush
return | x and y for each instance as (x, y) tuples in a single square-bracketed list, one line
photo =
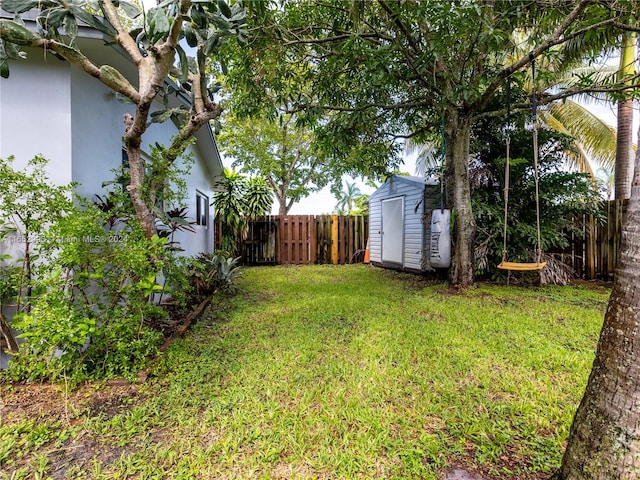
[(209, 272), (87, 284)]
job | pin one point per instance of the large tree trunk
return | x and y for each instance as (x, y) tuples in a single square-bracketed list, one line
[(457, 137), (137, 175), (604, 441), (624, 150), (624, 144)]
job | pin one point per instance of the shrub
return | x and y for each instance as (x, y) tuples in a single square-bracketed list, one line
[(86, 282), (209, 272)]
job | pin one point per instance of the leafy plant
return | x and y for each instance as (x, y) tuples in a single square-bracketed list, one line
[(239, 201), (209, 272), (93, 280), (28, 206), (562, 193)]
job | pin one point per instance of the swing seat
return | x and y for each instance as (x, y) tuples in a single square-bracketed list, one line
[(521, 267)]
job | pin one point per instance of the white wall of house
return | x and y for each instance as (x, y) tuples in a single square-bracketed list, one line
[(52, 108), (35, 114), (97, 127), (198, 183)]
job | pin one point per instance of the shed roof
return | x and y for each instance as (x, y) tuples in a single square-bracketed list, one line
[(412, 182), (414, 179)]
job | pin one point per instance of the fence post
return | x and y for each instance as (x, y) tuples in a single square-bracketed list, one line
[(591, 248), (313, 240), (334, 240)]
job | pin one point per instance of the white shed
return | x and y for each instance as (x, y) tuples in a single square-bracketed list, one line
[(400, 222)]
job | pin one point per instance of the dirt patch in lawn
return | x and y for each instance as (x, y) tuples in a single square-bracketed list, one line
[(54, 402)]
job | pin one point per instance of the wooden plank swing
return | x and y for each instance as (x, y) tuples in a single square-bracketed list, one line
[(538, 264)]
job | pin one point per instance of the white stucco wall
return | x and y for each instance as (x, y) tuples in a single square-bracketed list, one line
[(52, 108), (202, 239), (35, 114), (96, 131)]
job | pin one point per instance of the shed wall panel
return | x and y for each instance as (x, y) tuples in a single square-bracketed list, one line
[(415, 244), (375, 227)]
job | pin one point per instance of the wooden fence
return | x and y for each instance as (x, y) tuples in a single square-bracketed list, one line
[(594, 246), (336, 239), (304, 239)]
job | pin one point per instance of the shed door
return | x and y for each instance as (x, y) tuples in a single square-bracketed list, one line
[(392, 229)]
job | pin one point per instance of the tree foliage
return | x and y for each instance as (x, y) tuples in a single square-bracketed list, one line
[(154, 41), (281, 150), (564, 195)]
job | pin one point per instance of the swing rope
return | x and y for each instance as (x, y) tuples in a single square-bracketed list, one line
[(539, 264), (506, 175), (442, 154)]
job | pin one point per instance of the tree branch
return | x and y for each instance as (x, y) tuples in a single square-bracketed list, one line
[(546, 99), (410, 59), (122, 37), (556, 38)]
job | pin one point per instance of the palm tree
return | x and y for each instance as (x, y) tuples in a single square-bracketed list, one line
[(594, 140), (347, 198), (624, 151), (606, 180), (238, 201)]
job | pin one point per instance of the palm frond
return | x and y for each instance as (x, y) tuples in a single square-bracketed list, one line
[(595, 137), (428, 155)]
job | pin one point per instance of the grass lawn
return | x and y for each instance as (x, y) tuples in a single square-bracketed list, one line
[(331, 373)]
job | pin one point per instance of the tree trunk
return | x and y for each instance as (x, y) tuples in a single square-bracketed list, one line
[(281, 195), (282, 206), (604, 441), (143, 212), (624, 150), (133, 141), (624, 143), (458, 194), (7, 334)]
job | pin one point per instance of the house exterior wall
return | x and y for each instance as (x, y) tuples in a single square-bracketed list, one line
[(97, 127), (52, 108), (202, 239), (416, 234), (35, 114)]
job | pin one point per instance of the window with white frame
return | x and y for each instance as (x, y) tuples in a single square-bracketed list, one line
[(202, 209)]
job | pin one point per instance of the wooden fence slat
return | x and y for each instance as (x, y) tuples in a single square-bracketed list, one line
[(290, 250), (282, 254), (594, 253), (313, 241), (335, 232)]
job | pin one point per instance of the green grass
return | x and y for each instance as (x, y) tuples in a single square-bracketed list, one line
[(347, 372)]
